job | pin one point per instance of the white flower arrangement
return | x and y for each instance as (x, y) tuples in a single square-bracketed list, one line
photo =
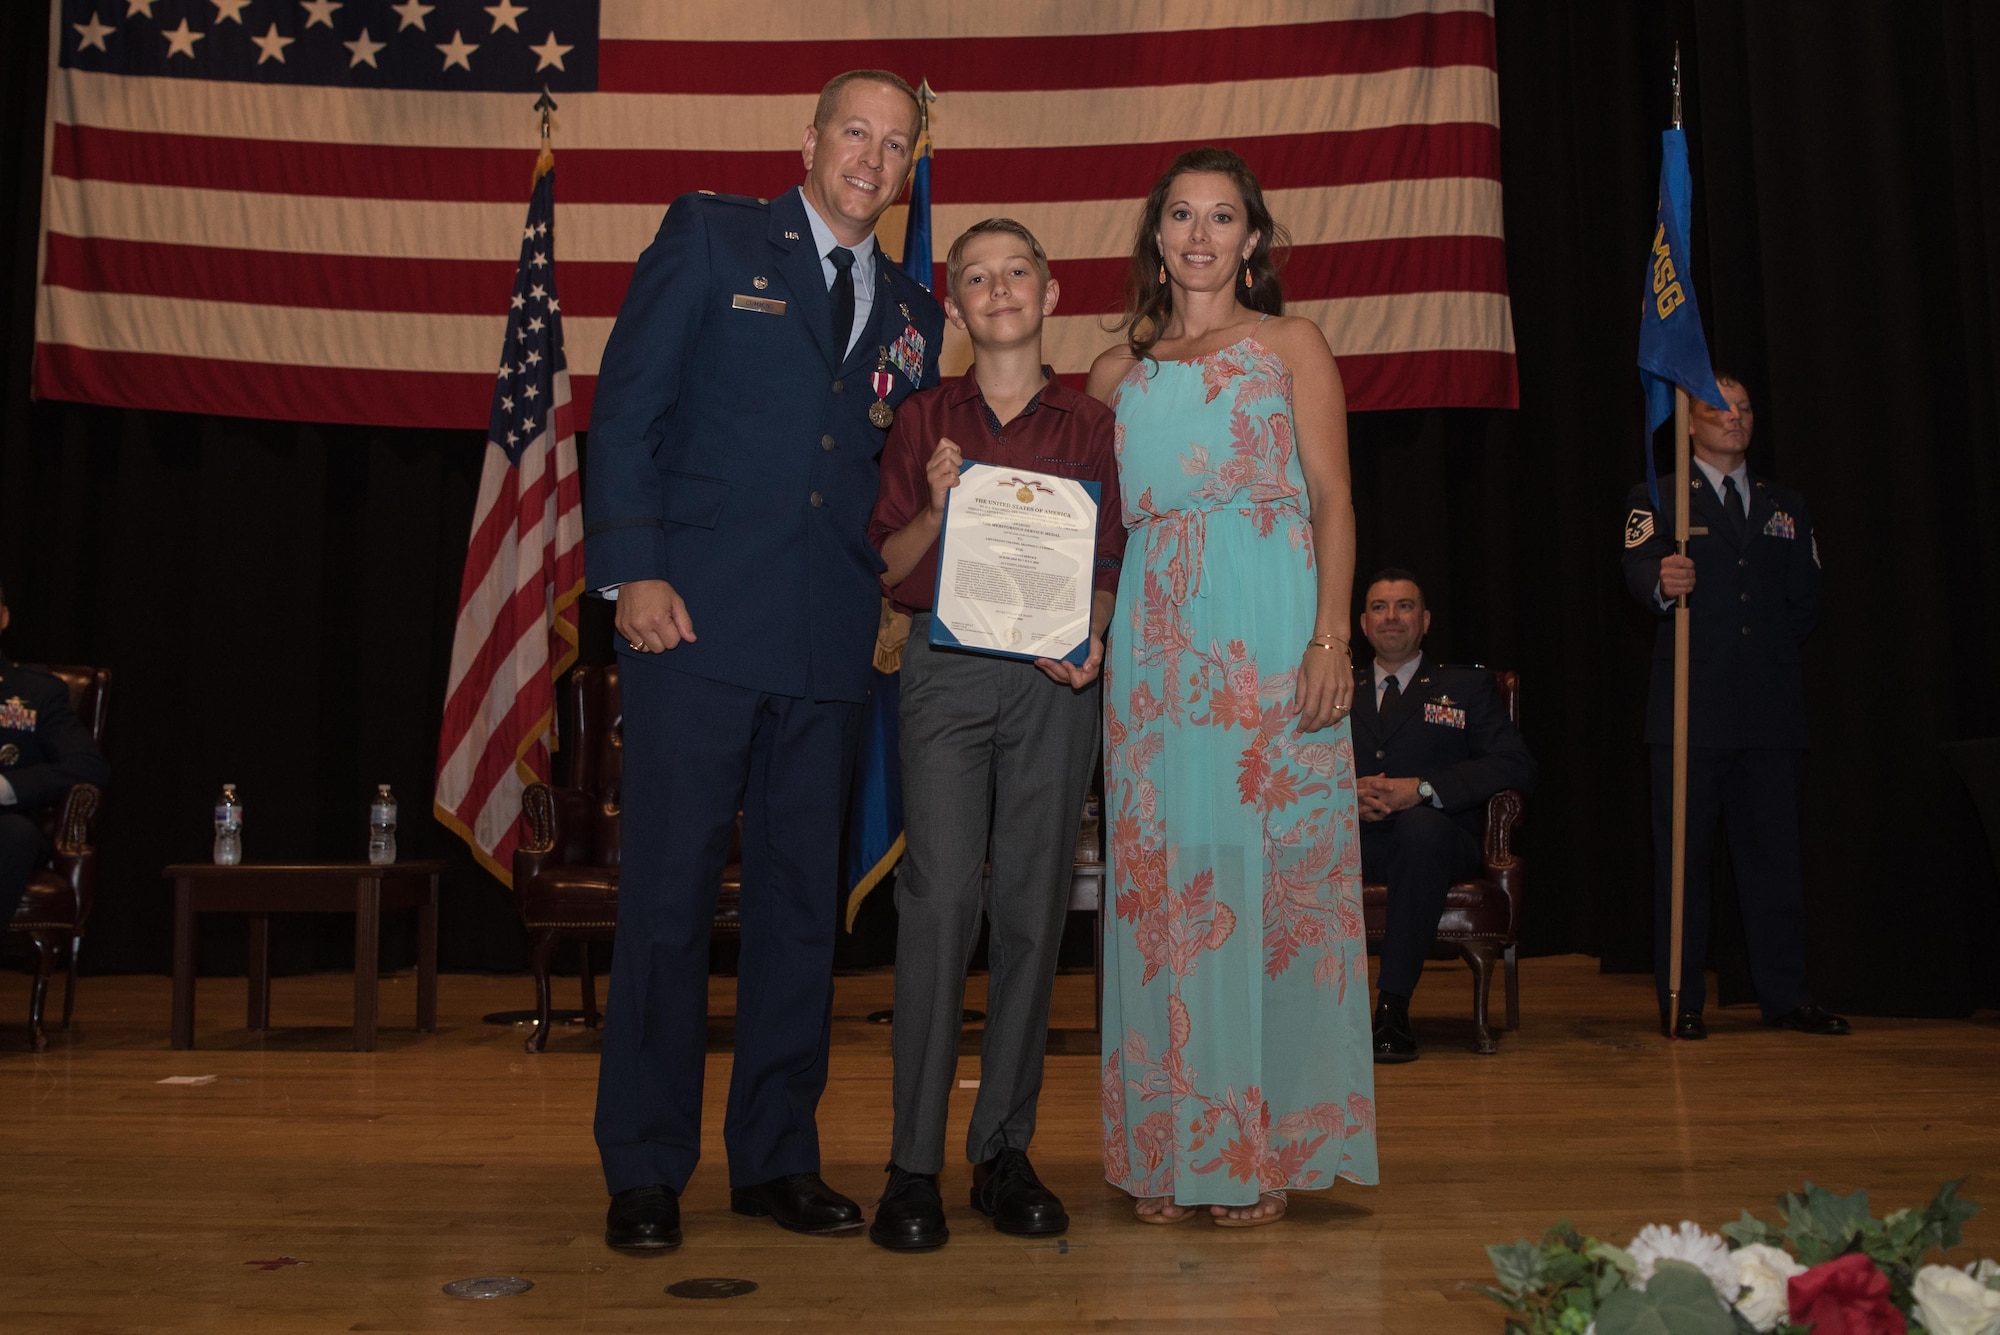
[(1764, 1273), (1706, 1252), (1957, 1302)]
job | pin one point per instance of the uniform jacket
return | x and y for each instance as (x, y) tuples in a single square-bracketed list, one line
[(1751, 607), (730, 448), (1450, 728), (44, 746)]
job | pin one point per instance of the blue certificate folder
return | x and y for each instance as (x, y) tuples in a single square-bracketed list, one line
[(941, 635)]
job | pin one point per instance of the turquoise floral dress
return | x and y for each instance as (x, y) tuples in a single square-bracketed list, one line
[(1237, 1054)]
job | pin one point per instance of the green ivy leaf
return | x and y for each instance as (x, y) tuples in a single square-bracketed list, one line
[(1517, 1265), (1678, 1300), (1945, 1216), (1821, 1225), (1750, 1229)]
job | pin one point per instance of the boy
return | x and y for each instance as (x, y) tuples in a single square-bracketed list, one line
[(990, 746)]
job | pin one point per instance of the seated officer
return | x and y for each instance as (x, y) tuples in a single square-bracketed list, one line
[(44, 748), (1431, 744)]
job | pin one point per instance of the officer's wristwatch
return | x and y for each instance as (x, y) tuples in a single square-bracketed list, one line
[(1424, 790)]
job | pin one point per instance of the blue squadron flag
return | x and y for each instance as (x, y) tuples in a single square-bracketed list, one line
[(1672, 350), (875, 817)]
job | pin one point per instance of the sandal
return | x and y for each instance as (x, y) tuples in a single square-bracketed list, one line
[(1160, 1216), (1224, 1221)]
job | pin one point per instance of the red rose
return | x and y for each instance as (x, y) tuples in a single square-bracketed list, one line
[(1845, 1296)]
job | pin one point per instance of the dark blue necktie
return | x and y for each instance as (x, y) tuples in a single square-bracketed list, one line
[(1732, 503), (842, 293)]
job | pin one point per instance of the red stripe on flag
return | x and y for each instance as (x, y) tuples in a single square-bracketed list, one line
[(1317, 273), (480, 287), (655, 176), (1378, 382), (279, 392), (1079, 60)]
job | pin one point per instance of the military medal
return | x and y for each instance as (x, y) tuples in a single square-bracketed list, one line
[(879, 412)]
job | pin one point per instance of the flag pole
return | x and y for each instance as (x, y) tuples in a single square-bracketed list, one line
[(1677, 880)]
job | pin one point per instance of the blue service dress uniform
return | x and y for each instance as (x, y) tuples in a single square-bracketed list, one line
[(1451, 728), (1756, 598), (44, 749), (731, 453)]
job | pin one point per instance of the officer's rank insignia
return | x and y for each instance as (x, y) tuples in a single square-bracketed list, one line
[(1442, 712), (10, 754), (1781, 525), (17, 717), (1638, 527), (908, 354)]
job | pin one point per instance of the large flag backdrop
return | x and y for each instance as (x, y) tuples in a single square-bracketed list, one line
[(308, 209)]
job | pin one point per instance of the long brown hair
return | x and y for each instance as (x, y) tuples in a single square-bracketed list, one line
[(1149, 303)]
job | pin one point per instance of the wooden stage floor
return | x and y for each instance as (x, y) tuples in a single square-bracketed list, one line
[(131, 1205)]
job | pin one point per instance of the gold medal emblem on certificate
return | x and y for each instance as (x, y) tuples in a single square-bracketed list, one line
[(1025, 496)]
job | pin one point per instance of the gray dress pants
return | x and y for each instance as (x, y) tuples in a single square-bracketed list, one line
[(996, 762)]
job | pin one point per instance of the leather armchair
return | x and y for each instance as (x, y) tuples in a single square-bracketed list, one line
[(566, 867), (60, 895), (1481, 923)]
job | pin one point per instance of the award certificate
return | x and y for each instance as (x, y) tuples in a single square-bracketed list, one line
[(1014, 564)]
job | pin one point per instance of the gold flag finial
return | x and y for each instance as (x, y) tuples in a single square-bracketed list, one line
[(545, 161)]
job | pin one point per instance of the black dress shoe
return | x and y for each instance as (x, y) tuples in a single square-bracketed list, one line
[(1688, 1025), (1394, 1042), (1006, 1189), (910, 1215), (800, 1202), (1812, 1019), (644, 1219)]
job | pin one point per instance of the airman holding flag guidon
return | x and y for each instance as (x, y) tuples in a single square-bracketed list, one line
[(1728, 743)]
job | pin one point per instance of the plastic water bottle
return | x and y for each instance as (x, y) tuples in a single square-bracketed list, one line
[(228, 827), (382, 828)]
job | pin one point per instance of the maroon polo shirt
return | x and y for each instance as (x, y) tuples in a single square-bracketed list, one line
[(1060, 432)]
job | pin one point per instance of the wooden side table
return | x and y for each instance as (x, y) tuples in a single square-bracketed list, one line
[(259, 890)]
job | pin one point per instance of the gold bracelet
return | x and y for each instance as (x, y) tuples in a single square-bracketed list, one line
[(1315, 644)]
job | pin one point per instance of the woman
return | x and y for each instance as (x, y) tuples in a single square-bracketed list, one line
[(1236, 982)]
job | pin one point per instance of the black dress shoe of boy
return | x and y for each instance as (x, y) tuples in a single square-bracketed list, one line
[(1394, 1041), (1006, 1189), (1812, 1019), (799, 1202), (1688, 1025), (910, 1215), (644, 1219)]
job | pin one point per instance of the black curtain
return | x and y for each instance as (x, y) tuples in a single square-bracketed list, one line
[(277, 598)]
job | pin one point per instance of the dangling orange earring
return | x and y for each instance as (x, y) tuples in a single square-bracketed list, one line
[(1163, 273), (1247, 281)]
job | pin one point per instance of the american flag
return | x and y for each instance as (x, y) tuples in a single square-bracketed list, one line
[(523, 569), (306, 208)]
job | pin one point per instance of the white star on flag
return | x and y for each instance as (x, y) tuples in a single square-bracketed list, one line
[(180, 41), (272, 44), (364, 48), (412, 13), (506, 403), (518, 301), (458, 52), (551, 52), (229, 11), (538, 292), (535, 325), (138, 7), (539, 260), (506, 14), (92, 34), (554, 305), (320, 11), (532, 391)]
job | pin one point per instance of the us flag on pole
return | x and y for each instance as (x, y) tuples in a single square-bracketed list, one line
[(306, 208), (523, 569)]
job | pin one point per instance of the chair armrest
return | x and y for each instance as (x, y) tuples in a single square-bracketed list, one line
[(1502, 864), (76, 821), (558, 822), (1503, 812)]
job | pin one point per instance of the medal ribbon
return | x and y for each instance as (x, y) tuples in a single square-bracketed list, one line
[(882, 384)]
